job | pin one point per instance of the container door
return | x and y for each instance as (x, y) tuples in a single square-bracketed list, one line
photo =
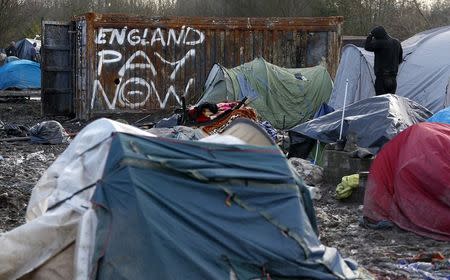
[(57, 68)]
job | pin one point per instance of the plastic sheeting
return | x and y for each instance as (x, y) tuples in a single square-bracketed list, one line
[(178, 132), (20, 74), (443, 116), (23, 48), (373, 122), (424, 76), (283, 96), (205, 211), (48, 132), (409, 181)]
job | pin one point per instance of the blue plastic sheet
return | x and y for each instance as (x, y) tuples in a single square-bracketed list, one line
[(20, 74), (170, 209), (443, 116)]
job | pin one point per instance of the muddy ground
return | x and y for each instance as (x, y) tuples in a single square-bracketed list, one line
[(22, 163)]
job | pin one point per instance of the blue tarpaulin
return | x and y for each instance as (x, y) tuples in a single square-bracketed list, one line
[(443, 116), (171, 209), (20, 74)]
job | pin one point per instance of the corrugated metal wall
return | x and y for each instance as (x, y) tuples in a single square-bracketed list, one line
[(133, 64)]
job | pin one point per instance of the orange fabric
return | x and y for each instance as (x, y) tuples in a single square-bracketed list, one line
[(220, 125)]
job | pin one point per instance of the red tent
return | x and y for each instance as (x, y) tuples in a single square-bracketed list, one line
[(409, 181)]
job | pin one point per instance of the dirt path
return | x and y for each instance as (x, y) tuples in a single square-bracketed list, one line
[(21, 165), (376, 250)]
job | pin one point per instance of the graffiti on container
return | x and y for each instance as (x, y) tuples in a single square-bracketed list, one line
[(110, 41)]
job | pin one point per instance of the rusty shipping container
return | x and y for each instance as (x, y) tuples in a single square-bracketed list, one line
[(112, 64)]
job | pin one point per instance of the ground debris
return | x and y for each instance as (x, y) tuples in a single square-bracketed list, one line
[(377, 250)]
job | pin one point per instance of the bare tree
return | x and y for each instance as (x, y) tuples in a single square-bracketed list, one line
[(402, 18), (246, 8)]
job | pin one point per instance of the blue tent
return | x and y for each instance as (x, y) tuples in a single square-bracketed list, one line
[(172, 209), (20, 74), (24, 46)]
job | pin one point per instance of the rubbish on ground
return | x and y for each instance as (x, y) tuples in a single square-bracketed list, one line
[(310, 173), (12, 129), (48, 132), (36, 155), (15, 139), (345, 188), (314, 192), (383, 224), (425, 270), (426, 257)]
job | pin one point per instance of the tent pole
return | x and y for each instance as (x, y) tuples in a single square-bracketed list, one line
[(317, 151), (343, 109)]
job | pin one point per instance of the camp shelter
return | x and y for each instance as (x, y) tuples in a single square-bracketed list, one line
[(142, 207), (20, 74), (409, 186), (24, 46), (371, 122), (424, 75), (283, 96)]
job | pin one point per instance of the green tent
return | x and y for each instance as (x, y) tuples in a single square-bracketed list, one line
[(283, 96)]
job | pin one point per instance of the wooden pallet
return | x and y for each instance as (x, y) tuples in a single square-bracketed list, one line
[(20, 93)]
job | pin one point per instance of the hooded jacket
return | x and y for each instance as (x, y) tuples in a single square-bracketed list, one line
[(388, 51)]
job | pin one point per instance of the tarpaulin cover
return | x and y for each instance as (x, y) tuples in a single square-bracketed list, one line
[(171, 209), (304, 145), (373, 121), (48, 132), (283, 96), (20, 74), (24, 46), (409, 181), (424, 75), (443, 116)]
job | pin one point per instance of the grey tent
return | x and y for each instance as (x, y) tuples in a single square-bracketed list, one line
[(424, 76)]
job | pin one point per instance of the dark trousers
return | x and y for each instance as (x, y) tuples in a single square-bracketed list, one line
[(385, 84)]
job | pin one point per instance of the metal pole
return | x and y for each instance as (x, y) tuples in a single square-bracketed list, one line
[(317, 151), (343, 110)]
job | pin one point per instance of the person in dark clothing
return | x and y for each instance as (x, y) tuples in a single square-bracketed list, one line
[(34, 53), (388, 55), (11, 49)]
